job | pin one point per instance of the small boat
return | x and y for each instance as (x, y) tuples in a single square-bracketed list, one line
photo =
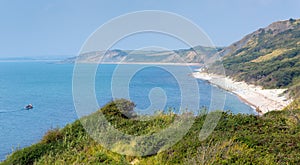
[(29, 106)]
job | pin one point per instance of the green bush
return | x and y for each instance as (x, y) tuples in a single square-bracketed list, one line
[(52, 136)]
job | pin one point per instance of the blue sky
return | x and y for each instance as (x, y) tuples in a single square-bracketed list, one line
[(46, 28)]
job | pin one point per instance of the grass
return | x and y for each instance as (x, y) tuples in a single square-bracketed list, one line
[(273, 138), (271, 55)]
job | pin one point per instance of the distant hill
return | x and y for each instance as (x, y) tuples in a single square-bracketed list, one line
[(193, 55), (15, 58), (269, 56), (36, 58)]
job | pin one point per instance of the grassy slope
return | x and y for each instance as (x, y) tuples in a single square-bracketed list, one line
[(269, 57), (240, 139)]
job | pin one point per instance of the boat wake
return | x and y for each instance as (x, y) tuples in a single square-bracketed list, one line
[(4, 111)]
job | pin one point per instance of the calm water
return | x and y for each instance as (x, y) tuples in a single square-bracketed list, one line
[(49, 88)]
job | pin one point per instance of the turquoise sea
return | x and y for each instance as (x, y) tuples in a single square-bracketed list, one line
[(48, 86)]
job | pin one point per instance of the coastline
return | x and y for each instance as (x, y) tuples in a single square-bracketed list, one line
[(262, 100), (143, 63)]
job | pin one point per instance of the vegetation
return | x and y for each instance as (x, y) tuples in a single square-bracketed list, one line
[(269, 57), (237, 139)]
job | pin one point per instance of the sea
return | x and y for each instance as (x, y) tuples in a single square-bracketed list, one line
[(48, 86)]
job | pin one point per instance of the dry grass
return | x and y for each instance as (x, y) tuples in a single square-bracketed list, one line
[(271, 55)]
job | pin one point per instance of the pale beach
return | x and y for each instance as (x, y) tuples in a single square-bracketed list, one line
[(263, 100)]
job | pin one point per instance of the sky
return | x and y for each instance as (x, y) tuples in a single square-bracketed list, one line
[(60, 27)]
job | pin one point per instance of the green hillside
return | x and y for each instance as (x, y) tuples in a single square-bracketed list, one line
[(237, 139), (269, 57)]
